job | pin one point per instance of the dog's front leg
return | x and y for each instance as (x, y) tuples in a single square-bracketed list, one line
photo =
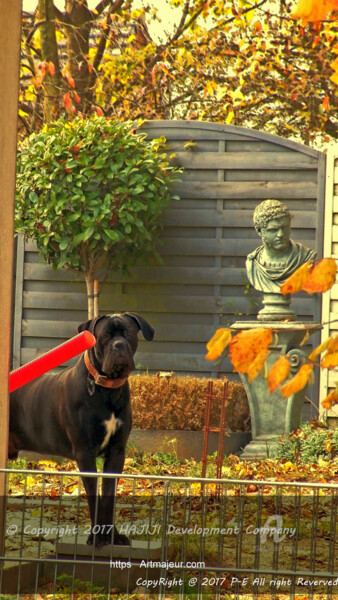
[(87, 464), (113, 463)]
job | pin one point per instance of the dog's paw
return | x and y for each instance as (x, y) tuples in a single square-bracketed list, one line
[(120, 539), (105, 539)]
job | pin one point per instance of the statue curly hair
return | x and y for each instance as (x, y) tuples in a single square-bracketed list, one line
[(267, 211)]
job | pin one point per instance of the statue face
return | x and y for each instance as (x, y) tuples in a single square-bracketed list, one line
[(276, 235)]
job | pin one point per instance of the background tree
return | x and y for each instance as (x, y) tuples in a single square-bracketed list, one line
[(91, 193), (230, 61)]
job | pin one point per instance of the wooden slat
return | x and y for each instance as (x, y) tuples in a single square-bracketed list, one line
[(213, 247), (225, 305), (154, 362), (244, 160), (158, 275), (163, 333), (257, 190), (228, 218)]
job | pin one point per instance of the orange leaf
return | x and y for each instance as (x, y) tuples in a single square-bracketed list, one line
[(66, 100), (330, 400), (256, 365), (247, 345), (314, 10), (219, 341), (257, 25), (326, 104), (278, 373), (298, 382), (99, 111), (294, 283), (322, 276), (77, 98), (330, 360), (51, 68), (333, 344), (71, 81)]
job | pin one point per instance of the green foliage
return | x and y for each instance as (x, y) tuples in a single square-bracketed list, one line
[(91, 193), (308, 444)]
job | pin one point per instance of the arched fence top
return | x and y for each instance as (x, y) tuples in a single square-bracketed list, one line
[(232, 130)]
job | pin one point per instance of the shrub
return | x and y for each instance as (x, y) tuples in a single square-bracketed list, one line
[(178, 402), (309, 443)]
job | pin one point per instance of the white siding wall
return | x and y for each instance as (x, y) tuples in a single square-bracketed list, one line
[(330, 299)]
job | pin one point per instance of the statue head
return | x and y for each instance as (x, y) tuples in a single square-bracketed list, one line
[(269, 210)]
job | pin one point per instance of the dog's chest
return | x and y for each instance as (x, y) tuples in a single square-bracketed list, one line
[(110, 427)]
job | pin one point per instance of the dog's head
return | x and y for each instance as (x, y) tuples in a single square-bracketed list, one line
[(116, 342)]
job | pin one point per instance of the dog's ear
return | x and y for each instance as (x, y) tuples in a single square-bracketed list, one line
[(89, 325), (146, 328)]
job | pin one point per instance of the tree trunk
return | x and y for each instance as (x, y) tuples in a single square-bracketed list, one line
[(90, 294), (49, 53), (96, 298)]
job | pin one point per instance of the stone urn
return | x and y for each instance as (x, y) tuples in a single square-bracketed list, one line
[(272, 415)]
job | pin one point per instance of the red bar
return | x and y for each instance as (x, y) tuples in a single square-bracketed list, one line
[(51, 359)]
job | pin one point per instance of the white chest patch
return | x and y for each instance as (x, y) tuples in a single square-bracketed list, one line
[(111, 426)]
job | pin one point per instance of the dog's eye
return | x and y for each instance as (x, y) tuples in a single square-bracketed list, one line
[(105, 337)]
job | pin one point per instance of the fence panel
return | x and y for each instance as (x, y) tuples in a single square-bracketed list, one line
[(206, 237), (186, 535)]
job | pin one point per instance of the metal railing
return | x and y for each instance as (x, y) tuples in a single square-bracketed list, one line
[(189, 537)]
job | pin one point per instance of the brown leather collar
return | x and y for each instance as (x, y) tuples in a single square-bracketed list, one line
[(102, 380)]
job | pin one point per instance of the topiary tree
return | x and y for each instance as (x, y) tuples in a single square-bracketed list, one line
[(91, 193)]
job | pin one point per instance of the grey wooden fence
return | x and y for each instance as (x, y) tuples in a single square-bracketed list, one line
[(206, 236)]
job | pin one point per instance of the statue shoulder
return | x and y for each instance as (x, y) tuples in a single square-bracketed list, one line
[(304, 252), (253, 255)]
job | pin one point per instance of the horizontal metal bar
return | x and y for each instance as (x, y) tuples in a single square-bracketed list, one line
[(204, 480)]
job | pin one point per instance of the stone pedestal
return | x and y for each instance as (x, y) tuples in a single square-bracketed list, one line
[(271, 414)]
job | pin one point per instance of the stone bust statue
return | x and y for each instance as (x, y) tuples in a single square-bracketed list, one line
[(272, 263)]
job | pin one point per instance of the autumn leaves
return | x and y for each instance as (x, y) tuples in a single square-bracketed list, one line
[(249, 349)]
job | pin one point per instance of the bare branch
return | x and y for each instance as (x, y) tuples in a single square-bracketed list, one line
[(181, 24), (103, 5)]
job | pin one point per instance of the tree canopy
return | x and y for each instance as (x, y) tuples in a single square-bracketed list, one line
[(91, 193), (242, 62)]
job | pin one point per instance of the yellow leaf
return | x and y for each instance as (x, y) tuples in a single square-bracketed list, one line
[(30, 481), (294, 283), (334, 78), (230, 117), (298, 382), (278, 373), (322, 276), (321, 348), (219, 341), (288, 466)]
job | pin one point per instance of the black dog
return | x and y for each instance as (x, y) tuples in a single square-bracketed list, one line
[(85, 411)]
